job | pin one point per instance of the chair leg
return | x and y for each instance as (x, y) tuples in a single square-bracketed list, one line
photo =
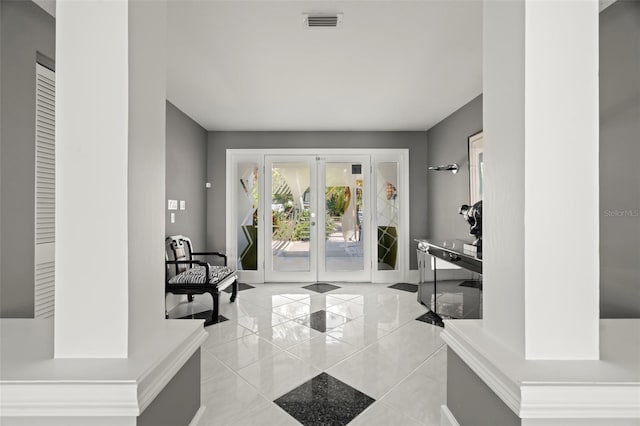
[(234, 293), (216, 309), (216, 306)]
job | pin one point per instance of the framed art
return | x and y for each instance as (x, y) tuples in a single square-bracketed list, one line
[(476, 167)]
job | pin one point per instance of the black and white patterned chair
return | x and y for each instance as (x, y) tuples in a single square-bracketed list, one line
[(187, 275)]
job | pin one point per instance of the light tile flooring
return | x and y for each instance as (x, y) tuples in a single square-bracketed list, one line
[(265, 350)]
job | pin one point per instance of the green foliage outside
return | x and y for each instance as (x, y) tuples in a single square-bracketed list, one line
[(292, 225)]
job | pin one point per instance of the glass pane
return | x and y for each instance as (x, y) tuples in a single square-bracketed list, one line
[(290, 216), (247, 210), (344, 250), (387, 215)]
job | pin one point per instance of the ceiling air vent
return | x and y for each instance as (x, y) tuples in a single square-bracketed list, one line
[(322, 21)]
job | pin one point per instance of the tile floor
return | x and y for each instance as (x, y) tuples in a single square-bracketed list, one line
[(291, 355)]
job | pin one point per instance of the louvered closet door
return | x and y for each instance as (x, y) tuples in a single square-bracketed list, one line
[(45, 214)]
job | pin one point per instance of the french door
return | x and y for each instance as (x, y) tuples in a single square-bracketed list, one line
[(305, 215), (317, 214)]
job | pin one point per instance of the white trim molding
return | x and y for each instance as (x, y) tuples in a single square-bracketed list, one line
[(38, 385), (446, 417), (198, 416), (607, 389)]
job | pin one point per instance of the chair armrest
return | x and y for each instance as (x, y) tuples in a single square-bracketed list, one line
[(189, 262), (212, 253), (185, 262)]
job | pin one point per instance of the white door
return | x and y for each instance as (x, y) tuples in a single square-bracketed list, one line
[(291, 218), (344, 213), (317, 218)]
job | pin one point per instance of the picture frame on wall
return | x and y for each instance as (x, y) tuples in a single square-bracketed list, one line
[(476, 167)]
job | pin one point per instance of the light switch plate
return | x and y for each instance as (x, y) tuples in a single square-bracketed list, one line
[(173, 218), (172, 205), (183, 205)]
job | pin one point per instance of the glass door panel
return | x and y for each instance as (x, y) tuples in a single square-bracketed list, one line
[(387, 215), (344, 242), (247, 216), (291, 254)]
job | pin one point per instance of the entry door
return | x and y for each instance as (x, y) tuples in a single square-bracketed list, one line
[(291, 218), (318, 220), (344, 243)]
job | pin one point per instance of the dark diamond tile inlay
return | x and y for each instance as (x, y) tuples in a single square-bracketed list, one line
[(431, 318), (206, 315), (412, 288), (241, 286), (324, 400), (471, 283), (322, 320), (321, 287)]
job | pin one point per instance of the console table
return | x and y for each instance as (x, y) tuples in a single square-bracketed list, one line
[(451, 251)]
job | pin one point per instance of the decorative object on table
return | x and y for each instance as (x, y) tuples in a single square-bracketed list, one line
[(473, 216), (476, 167), (453, 168)]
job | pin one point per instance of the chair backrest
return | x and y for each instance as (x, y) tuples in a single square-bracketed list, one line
[(178, 247)]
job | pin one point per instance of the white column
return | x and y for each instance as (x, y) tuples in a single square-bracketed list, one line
[(91, 316), (541, 203)]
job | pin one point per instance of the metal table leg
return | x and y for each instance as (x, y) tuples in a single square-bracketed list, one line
[(432, 316)]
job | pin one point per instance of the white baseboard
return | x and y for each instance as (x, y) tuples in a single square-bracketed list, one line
[(198, 416), (446, 417)]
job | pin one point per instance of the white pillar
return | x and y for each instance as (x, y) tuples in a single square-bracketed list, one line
[(111, 175), (91, 314), (541, 200)]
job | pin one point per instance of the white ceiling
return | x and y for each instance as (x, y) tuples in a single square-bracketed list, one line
[(398, 65)]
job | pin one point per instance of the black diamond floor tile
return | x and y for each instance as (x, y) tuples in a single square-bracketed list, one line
[(322, 320), (241, 286), (324, 400), (471, 283), (206, 315), (412, 288), (321, 287), (431, 318)]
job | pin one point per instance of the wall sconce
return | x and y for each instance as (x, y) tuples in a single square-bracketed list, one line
[(453, 168)]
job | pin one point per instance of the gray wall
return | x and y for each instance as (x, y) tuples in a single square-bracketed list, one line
[(619, 158), (25, 29), (219, 142), (471, 401), (447, 192), (186, 176), (179, 400), (146, 166)]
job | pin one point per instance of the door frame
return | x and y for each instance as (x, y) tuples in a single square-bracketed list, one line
[(382, 155)]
